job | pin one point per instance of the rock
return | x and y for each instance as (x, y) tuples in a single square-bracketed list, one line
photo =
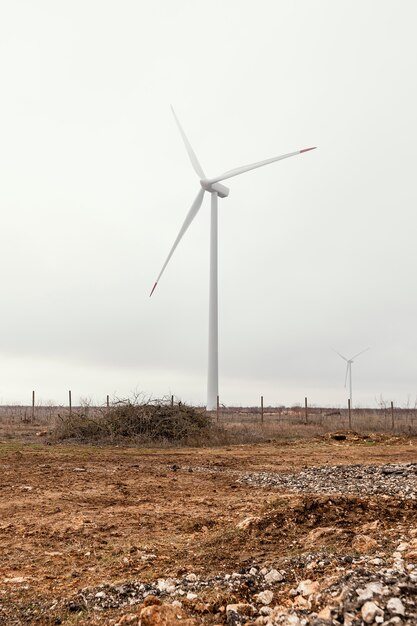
[(394, 605), (302, 603), (191, 596), (238, 613), (191, 578), (370, 611), (265, 610), (325, 614), (371, 589), (274, 576), (365, 528), (148, 557), (307, 587), (166, 586), (264, 597), (349, 619), (292, 620), (101, 594), (165, 615), (16, 579), (317, 535), (364, 544), (247, 522)]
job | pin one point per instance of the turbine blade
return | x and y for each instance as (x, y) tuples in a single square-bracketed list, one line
[(347, 371), (195, 207), (253, 166), (193, 158), (359, 353), (343, 357)]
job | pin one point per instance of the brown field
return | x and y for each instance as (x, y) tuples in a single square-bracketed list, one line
[(74, 516)]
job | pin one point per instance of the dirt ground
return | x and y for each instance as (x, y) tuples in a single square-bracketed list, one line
[(75, 517)]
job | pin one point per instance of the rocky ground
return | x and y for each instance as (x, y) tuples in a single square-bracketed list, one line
[(319, 532)]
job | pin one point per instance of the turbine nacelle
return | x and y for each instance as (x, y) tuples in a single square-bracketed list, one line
[(218, 188)]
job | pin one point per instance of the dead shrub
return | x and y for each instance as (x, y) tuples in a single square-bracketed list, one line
[(137, 421)]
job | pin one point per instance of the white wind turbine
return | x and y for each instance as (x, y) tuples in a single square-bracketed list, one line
[(216, 189), (349, 371)]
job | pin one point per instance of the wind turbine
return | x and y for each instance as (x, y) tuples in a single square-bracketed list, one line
[(216, 189), (349, 371)]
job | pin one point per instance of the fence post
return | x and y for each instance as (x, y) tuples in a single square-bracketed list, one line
[(33, 406), (350, 415), (217, 408), (262, 409), (305, 411), (108, 402), (70, 401), (172, 400), (392, 416)]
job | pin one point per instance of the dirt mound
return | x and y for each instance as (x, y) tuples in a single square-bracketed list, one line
[(345, 512)]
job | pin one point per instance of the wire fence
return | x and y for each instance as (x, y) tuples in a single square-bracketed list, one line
[(303, 420)]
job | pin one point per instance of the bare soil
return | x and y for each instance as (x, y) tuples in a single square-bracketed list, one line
[(73, 517)]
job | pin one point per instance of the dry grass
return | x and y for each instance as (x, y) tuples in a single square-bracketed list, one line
[(231, 426)]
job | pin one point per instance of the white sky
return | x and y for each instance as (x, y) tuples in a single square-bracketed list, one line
[(316, 252)]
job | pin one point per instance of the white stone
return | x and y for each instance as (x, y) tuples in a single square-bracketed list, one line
[(247, 522), (307, 587), (370, 590), (274, 576), (191, 577), (191, 596), (16, 579), (370, 611), (265, 597), (239, 608), (100, 594), (396, 606), (166, 586), (265, 610)]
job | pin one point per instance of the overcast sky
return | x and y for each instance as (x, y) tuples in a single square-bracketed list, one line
[(316, 253)]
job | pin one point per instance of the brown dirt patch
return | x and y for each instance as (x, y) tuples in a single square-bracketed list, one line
[(72, 517)]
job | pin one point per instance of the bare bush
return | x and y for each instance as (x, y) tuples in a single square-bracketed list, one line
[(138, 421)]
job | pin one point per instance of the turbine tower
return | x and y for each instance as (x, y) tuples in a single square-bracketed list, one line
[(349, 371), (217, 190)]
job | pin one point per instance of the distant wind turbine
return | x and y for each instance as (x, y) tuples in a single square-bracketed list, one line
[(216, 189), (349, 371)]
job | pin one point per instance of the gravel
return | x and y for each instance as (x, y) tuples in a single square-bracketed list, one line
[(399, 479), (361, 593)]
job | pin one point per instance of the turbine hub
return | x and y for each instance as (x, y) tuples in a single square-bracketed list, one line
[(218, 188)]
